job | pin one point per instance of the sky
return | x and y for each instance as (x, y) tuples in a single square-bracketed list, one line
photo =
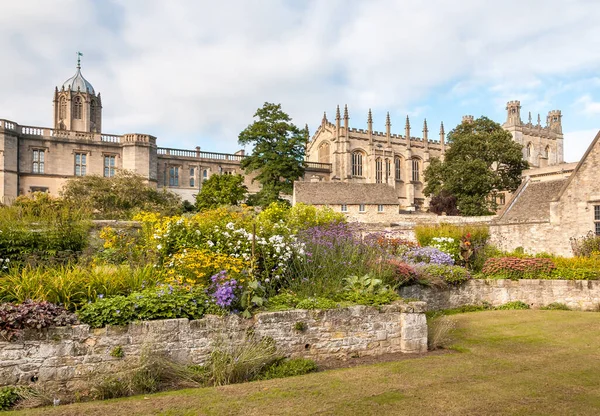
[(193, 72)]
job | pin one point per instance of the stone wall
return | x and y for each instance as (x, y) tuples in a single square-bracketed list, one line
[(576, 294), (64, 358)]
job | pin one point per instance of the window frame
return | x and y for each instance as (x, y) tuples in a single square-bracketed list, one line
[(38, 162), (380, 208), (344, 208), (597, 219), (416, 171), (174, 176), (362, 208), (357, 163), (82, 165), (109, 170), (378, 170), (192, 176), (398, 168)]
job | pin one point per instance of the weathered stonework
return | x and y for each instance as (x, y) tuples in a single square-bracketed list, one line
[(63, 358), (576, 294)]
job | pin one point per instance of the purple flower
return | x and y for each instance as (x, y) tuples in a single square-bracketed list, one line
[(224, 289), (427, 255)]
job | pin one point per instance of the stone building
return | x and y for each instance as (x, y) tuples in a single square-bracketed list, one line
[(550, 208), (369, 156), (43, 158)]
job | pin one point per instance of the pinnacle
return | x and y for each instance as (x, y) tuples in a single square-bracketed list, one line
[(370, 117), (346, 111), (387, 119), (337, 112)]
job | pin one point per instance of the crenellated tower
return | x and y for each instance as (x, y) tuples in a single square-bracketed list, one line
[(77, 107)]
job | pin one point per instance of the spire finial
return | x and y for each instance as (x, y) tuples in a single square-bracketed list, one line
[(530, 117), (387, 119), (79, 55), (346, 111), (442, 129), (407, 123), (370, 117), (337, 112), (425, 129), (539, 123), (324, 117)]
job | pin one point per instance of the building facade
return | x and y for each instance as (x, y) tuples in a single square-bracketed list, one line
[(369, 156), (44, 158)]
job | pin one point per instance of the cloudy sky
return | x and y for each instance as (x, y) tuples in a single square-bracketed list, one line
[(193, 72)]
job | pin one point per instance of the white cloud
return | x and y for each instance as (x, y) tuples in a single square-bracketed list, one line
[(194, 72), (587, 105), (577, 142)]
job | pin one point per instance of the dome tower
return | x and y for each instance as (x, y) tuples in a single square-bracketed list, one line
[(76, 105)]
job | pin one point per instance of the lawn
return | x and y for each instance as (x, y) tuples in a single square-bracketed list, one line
[(505, 363)]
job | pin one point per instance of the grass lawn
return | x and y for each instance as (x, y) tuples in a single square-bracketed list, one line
[(510, 363)]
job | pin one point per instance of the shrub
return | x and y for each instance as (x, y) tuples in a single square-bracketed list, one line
[(556, 306), (32, 315), (577, 268), (316, 303), (586, 246), (514, 305), (288, 368), (403, 273), (9, 396), (163, 302), (518, 268), (369, 299), (452, 275), (426, 233), (427, 255)]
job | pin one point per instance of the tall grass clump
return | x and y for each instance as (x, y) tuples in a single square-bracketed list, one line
[(586, 246), (479, 234), (74, 286)]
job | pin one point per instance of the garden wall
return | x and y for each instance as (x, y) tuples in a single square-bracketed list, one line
[(64, 358), (576, 294)]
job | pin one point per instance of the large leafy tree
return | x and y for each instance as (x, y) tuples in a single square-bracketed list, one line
[(482, 160), (278, 154), (221, 190)]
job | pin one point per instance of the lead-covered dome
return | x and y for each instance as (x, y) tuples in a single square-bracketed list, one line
[(78, 82)]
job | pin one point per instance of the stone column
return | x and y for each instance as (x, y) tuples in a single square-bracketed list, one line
[(413, 328)]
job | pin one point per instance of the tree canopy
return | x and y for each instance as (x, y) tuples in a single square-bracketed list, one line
[(482, 160), (119, 197), (221, 190), (278, 154)]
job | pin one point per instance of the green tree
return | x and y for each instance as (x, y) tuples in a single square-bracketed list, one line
[(221, 190), (482, 160), (278, 153), (119, 197)]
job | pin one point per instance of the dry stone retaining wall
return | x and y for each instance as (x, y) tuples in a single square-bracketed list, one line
[(576, 294), (64, 358)]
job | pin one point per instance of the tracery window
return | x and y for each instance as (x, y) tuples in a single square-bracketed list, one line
[(416, 176), (38, 160), (324, 153), (388, 169), (77, 108), (378, 170), (357, 164), (62, 109), (398, 168)]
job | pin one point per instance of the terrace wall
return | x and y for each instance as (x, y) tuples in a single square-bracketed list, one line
[(576, 294), (64, 358)]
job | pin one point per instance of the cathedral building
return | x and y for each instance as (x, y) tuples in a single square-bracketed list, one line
[(376, 157)]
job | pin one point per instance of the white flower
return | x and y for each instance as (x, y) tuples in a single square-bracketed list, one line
[(210, 243), (158, 247), (230, 226)]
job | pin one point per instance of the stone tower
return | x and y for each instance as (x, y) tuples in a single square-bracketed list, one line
[(76, 105)]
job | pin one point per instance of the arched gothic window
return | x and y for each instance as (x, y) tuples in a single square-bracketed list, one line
[(62, 108), (388, 169), (378, 170), (529, 149), (398, 168), (547, 152), (357, 163), (416, 177), (324, 153), (77, 108)]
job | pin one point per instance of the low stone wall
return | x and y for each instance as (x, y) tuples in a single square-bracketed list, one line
[(576, 294), (63, 358)]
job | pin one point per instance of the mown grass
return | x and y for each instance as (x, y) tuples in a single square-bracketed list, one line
[(516, 362)]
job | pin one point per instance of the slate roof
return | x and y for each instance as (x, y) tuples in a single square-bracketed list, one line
[(531, 202), (330, 193)]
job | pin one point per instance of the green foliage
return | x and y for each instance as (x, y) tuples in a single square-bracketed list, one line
[(452, 275), (32, 315), (220, 190), (278, 152), (74, 286), (482, 160), (515, 305), (384, 297), (483, 306), (117, 352), (316, 303), (440, 331), (119, 197), (254, 296), (556, 306), (288, 368), (11, 395), (296, 218), (363, 284), (39, 228), (163, 302), (300, 326), (443, 202)]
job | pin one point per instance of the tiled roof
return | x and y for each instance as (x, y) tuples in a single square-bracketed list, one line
[(330, 193), (531, 202)]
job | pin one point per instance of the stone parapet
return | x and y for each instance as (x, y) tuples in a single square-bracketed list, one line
[(64, 358), (576, 294)]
